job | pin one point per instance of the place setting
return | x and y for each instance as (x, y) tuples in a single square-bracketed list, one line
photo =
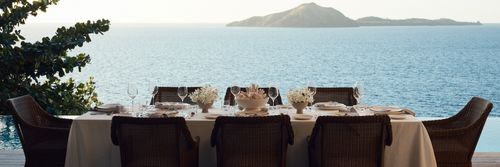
[(110, 108)]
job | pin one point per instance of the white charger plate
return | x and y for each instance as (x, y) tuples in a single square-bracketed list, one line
[(330, 106), (302, 116), (212, 116)]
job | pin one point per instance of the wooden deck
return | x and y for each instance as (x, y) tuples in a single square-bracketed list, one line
[(15, 158), (482, 159)]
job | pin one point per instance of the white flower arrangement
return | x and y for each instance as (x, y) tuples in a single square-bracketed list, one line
[(204, 95), (253, 93), (302, 95)]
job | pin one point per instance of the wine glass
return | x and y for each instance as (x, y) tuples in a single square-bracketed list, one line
[(312, 88), (358, 95), (153, 89), (182, 92), (132, 93), (235, 90), (273, 94), (358, 91)]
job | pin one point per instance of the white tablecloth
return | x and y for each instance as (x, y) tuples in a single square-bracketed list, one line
[(89, 143)]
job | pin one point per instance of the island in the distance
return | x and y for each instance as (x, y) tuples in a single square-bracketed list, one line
[(377, 21), (305, 15), (313, 15)]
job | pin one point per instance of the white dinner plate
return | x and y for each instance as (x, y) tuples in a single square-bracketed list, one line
[(330, 106), (171, 105), (251, 114), (335, 113), (302, 116), (212, 116)]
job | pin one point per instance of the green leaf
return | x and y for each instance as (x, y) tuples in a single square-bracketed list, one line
[(36, 68)]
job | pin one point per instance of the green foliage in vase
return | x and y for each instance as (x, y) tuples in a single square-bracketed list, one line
[(38, 68)]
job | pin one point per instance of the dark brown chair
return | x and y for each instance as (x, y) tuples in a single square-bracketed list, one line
[(252, 141), (170, 94), (349, 141), (43, 136), (454, 139), (344, 95), (154, 142), (229, 98)]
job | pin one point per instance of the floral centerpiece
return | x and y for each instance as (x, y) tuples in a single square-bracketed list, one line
[(205, 97), (254, 99), (300, 98)]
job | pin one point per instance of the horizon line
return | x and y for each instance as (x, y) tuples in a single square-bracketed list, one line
[(119, 22)]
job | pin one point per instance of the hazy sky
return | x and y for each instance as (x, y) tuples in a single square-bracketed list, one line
[(223, 11)]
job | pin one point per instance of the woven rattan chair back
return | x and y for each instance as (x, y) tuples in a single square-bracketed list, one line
[(349, 141), (344, 95), (229, 98), (170, 94), (154, 142), (454, 139), (43, 137), (252, 141)]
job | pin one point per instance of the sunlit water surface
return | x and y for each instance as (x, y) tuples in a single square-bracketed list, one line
[(432, 70)]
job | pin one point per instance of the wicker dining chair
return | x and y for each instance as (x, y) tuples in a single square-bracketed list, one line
[(454, 139), (154, 142), (170, 94), (43, 136), (344, 95), (252, 141), (349, 141), (229, 98)]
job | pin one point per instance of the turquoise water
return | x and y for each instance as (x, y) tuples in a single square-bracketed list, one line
[(432, 70)]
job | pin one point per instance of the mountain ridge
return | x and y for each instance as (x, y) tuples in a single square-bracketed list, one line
[(377, 21), (305, 15), (313, 15)]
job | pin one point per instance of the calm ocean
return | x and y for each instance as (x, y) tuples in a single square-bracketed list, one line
[(432, 70)]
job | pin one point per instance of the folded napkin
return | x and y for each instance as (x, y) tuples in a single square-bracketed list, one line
[(110, 108), (389, 112), (330, 104), (162, 114)]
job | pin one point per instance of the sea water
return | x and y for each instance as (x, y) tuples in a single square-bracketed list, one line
[(433, 70)]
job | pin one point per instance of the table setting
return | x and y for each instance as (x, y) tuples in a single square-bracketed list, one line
[(252, 102), (89, 142)]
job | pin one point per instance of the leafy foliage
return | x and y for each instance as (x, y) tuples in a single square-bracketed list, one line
[(36, 68)]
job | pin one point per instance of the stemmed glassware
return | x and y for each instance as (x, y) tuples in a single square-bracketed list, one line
[(358, 91), (358, 95), (182, 92), (153, 89), (235, 90), (273, 94), (132, 93), (312, 88)]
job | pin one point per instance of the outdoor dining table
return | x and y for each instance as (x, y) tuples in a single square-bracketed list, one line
[(89, 143)]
